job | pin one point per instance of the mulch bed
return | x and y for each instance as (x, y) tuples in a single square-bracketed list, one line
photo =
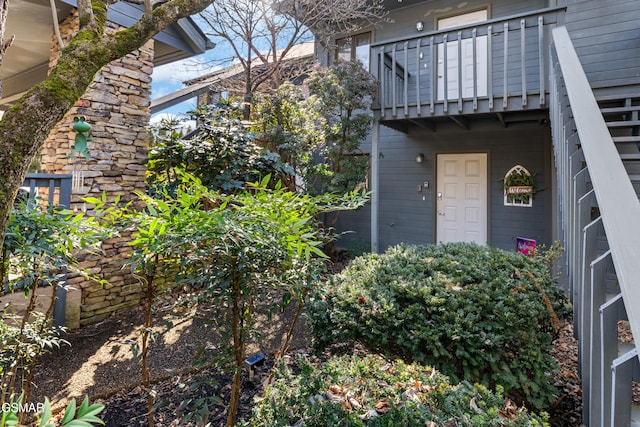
[(566, 411), (179, 396), (201, 396), (175, 399)]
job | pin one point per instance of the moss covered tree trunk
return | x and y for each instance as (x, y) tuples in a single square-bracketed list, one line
[(24, 128)]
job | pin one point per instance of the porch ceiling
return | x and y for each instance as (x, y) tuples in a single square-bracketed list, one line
[(465, 121)]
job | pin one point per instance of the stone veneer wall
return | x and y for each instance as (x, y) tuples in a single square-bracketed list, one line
[(116, 106)]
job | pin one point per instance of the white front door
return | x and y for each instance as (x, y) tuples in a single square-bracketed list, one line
[(466, 63), (461, 198)]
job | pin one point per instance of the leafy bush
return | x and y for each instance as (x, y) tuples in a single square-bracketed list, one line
[(372, 391), (235, 253), (84, 417), (474, 312), (223, 154), (38, 245), (344, 93)]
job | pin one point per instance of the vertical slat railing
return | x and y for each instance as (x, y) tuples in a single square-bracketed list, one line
[(490, 65), (459, 67), (63, 184), (523, 61), (623, 370), (609, 314), (505, 68), (434, 75), (379, 69), (418, 72), (573, 215), (394, 83), (589, 254), (405, 82), (598, 279), (604, 224), (471, 82), (474, 45), (445, 75), (541, 56)]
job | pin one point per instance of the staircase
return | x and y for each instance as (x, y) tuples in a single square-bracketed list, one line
[(597, 159), (621, 114)]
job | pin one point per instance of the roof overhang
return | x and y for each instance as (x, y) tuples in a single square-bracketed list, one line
[(202, 84), (26, 62)]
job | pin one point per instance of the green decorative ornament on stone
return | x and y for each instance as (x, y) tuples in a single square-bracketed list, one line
[(83, 136)]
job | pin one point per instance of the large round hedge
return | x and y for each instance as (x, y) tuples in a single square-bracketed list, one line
[(474, 312)]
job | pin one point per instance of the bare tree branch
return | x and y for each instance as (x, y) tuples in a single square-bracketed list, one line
[(256, 34), (153, 3), (147, 7), (329, 18), (85, 13), (263, 32)]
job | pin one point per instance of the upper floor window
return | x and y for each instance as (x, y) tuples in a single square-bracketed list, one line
[(465, 18), (354, 48)]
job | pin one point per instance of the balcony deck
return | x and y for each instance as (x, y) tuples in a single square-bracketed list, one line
[(503, 72)]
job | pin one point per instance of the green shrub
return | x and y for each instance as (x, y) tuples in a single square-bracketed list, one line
[(473, 312), (372, 391)]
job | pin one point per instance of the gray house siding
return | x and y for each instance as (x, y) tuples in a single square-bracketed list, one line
[(606, 36), (405, 217), (407, 66), (428, 12)]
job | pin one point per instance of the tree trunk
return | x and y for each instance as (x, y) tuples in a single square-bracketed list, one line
[(8, 387), (150, 291), (237, 325)]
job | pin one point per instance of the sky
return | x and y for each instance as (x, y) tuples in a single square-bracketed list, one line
[(168, 78)]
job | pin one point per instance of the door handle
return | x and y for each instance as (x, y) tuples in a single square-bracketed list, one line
[(439, 195)]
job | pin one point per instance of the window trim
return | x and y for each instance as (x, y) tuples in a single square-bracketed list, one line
[(352, 49)]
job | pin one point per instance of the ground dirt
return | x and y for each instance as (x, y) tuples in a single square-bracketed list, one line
[(99, 362)]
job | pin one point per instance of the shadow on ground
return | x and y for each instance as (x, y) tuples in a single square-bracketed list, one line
[(100, 361)]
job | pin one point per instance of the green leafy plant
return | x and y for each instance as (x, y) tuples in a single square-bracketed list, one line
[(474, 312), (319, 136), (249, 248), (373, 391), (85, 416), (223, 153), (290, 124), (233, 252), (343, 94), (40, 244), (148, 224)]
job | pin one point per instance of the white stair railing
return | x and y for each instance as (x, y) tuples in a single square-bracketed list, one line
[(599, 223)]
